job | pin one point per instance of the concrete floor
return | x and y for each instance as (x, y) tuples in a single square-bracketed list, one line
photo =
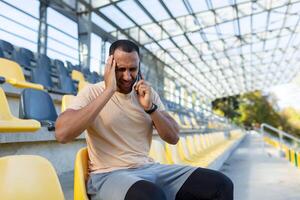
[(67, 183), (259, 174)]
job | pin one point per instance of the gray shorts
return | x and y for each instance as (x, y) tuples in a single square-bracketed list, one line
[(114, 185)]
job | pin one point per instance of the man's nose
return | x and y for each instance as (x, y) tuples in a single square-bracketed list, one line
[(127, 76)]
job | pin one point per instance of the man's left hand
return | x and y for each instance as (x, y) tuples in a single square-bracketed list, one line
[(144, 94)]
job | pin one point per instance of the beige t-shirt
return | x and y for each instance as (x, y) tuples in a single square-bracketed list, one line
[(121, 135)]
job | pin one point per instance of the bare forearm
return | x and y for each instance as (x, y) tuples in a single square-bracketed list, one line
[(72, 123), (166, 126)]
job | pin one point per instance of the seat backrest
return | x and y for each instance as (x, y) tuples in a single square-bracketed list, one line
[(65, 102), (183, 149), (81, 174), (58, 62), (191, 145), (157, 152), (41, 76), (1, 53), (28, 177), (91, 78), (21, 59), (172, 154), (199, 147), (44, 62), (204, 141), (86, 71), (11, 69), (6, 46), (70, 66), (67, 84), (26, 52), (77, 75), (62, 70), (38, 105), (5, 113)]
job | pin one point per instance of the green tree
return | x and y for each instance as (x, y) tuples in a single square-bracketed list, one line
[(252, 109)]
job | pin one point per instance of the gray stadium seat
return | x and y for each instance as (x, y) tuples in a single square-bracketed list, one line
[(21, 59), (38, 105), (26, 52), (7, 48)]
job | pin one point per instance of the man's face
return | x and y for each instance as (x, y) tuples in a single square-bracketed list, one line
[(126, 69)]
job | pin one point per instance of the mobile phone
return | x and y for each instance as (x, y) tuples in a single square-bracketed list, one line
[(139, 77)]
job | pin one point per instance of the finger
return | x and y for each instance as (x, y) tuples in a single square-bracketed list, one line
[(143, 89), (113, 66), (141, 92), (109, 62), (143, 78), (139, 83)]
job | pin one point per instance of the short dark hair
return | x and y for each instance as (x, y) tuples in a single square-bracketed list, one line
[(124, 45)]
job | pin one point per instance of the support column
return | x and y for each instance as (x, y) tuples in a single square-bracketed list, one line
[(102, 57), (84, 35), (43, 28)]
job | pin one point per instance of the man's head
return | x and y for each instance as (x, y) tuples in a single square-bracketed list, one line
[(126, 55)]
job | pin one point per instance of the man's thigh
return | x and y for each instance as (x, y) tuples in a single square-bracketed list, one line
[(171, 177), (110, 186)]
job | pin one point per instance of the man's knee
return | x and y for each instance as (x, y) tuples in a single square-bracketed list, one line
[(145, 190), (225, 183), (206, 184)]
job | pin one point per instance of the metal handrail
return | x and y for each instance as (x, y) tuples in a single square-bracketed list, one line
[(280, 134)]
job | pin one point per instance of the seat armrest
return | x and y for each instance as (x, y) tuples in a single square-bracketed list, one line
[(49, 124)]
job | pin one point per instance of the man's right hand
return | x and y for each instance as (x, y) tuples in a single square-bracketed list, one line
[(110, 74)]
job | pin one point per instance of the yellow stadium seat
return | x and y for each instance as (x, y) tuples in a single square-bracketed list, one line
[(173, 155), (28, 177), (198, 144), (176, 155), (66, 100), (13, 75), (9, 123), (204, 141), (298, 159), (77, 75), (81, 85), (191, 144), (81, 174), (158, 153), (185, 154)]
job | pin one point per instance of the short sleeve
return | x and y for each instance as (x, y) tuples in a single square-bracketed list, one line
[(156, 100), (83, 98)]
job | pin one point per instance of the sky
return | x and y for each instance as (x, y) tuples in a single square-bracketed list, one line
[(288, 95)]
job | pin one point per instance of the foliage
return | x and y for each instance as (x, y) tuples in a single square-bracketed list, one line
[(252, 109)]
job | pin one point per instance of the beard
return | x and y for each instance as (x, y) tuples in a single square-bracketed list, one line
[(125, 87)]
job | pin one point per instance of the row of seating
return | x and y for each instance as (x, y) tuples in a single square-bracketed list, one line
[(291, 154), (55, 77), (38, 105), (198, 150), (37, 179), (52, 75), (36, 109)]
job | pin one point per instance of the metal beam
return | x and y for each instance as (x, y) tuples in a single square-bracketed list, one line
[(84, 34), (43, 28)]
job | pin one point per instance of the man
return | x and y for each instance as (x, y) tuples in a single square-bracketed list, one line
[(119, 115)]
